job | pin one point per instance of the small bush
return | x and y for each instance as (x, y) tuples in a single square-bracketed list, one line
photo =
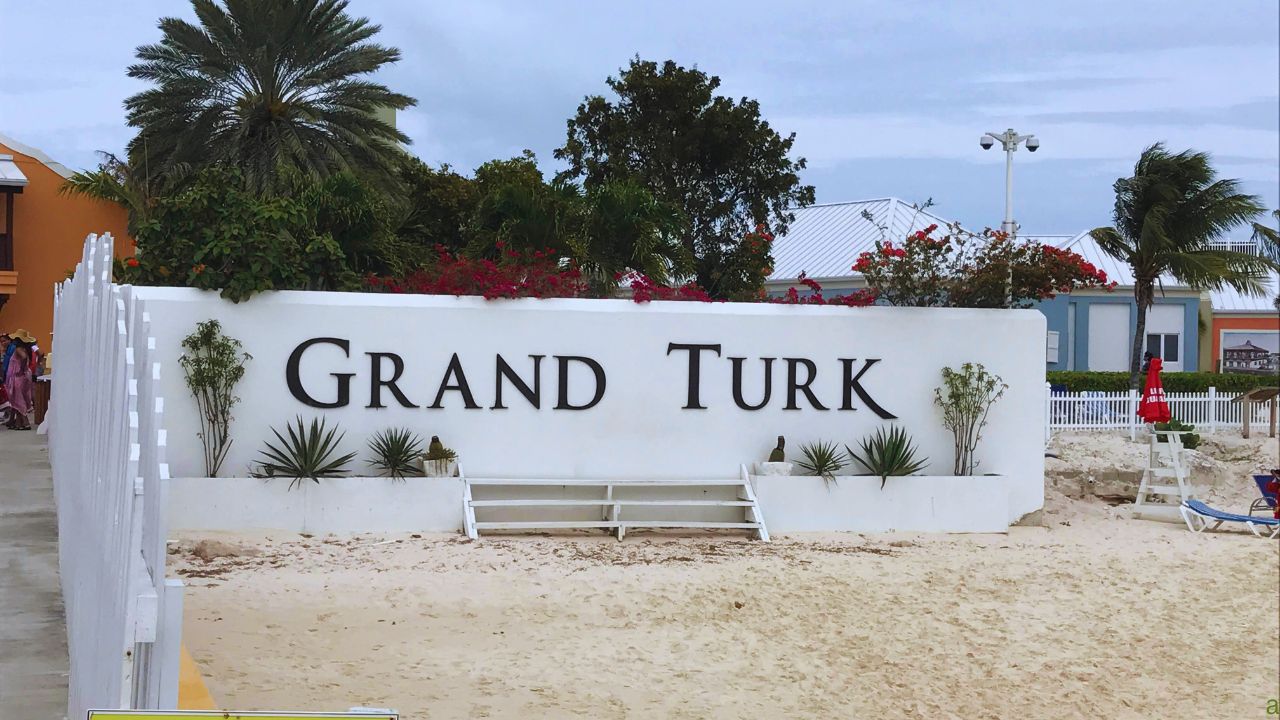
[(821, 458), (307, 454), (889, 454), (1173, 382), (1190, 440), (396, 452)]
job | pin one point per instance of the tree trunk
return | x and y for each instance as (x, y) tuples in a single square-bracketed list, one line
[(1142, 292)]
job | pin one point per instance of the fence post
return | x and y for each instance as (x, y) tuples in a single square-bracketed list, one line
[(1133, 414), (1048, 412), (1213, 409)]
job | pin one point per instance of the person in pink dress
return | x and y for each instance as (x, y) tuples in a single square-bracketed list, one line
[(20, 387)]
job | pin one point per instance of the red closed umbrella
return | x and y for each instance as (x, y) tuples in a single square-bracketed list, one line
[(1153, 408)]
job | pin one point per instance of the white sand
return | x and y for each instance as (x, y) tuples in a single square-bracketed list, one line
[(1095, 616)]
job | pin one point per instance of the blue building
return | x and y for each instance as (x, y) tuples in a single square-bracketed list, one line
[(1087, 330)]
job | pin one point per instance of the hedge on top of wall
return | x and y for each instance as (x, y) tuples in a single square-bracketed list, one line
[(1078, 381)]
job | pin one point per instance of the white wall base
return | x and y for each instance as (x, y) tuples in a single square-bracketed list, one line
[(336, 505), (790, 504), (943, 504)]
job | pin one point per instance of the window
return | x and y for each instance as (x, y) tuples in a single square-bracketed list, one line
[(1164, 346)]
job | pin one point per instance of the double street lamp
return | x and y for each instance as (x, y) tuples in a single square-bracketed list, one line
[(1010, 140)]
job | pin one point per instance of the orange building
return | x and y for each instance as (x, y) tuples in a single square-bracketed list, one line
[(1246, 331), (42, 233)]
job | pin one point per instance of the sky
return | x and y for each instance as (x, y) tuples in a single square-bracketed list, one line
[(886, 98)]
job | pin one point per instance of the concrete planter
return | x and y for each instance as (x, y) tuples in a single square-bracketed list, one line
[(335, 505), (855, 503), (439, 468), (774, 468)]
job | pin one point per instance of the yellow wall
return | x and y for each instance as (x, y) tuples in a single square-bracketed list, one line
[(48, 234)]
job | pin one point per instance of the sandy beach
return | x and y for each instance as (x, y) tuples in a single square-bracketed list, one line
[(1091, 615)]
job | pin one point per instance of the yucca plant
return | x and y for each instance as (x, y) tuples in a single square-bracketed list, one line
[(308, 453), (395, 452), (821, 458), (889, 453)]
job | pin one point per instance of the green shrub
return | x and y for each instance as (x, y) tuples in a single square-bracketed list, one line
[(307, 454), (887, 454), (821, 458), (1080, 381), (1190, 440), (396, 452)]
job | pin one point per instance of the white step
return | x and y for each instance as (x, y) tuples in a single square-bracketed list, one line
[(612, 524), (669, 482), (606, 501)]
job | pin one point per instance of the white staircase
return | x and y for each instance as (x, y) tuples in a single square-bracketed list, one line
[(1166, 476), (611, 503)]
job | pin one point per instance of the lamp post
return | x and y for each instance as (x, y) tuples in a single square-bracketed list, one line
[(1009, 140)]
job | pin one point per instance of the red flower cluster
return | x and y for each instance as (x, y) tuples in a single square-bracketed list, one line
[(857, 298), (644, 289), (539, 275), (965, 270)]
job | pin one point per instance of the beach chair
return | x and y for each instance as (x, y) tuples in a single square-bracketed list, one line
[(1198, 516), (1268, 500)]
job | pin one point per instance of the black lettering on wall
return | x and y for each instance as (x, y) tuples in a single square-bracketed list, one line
[(695, 370), (533, 395), (376, 383), (294, 380), (853, 384), (737, 383), (794, 386), (562, 395), (459, 384)]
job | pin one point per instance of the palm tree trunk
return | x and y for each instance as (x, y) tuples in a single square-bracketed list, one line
[(1142, 293)]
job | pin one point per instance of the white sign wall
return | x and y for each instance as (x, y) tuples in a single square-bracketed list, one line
[(621, 389)]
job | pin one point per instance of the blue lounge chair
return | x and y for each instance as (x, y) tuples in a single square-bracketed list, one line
[(1268, 500), (1198, 516)]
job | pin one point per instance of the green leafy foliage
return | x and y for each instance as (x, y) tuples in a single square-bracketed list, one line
[(213, 364), (821, 458), (715, 159), (309, 452), (966, 397), (396, 452), (276, 88), (1190, 439), (1166, 216), (888, 453), (1173, 382), (217, 235)]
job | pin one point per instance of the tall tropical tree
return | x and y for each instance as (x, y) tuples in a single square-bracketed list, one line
[(275, 88), (1166, 217), (716, 159)]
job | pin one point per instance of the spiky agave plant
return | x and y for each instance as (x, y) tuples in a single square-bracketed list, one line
[(395, 452), (821, 458), (889, 453), (308, 453)]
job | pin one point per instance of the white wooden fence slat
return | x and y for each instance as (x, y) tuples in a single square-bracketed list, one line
[(106, 449)]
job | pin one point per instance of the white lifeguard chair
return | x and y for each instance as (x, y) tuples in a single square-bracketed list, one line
[(1167, 475)]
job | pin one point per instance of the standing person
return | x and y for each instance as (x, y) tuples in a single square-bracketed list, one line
[(4, 366), (20, 387)]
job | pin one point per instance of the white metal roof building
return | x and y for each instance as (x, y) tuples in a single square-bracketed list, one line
[(825, 240)]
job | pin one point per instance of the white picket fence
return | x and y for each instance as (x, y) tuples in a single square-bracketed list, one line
[(1208, 411), (107, 452)]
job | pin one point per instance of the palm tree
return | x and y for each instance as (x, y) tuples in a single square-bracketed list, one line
[(1166, 216), (1268, 240), (114, 181), (275, 87)]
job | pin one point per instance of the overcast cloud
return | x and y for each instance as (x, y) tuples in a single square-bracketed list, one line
[(886, 98)]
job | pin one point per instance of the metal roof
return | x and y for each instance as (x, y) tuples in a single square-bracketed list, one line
[(36, 153), (10, 174), (1228, 300), (1117, 271), (825, 240)]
